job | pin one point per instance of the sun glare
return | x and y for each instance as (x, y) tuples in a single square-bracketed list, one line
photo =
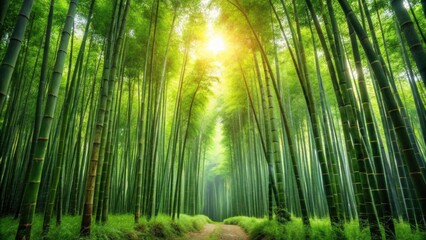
[(216, 44)]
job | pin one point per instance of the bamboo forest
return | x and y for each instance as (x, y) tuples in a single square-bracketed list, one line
[(213, 119)]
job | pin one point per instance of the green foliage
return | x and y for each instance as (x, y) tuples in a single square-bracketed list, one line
[(352, 231), (259, 228), (282, 214), (224, 155), (8, 227), (320, 229), (247, 223), (118, 227), (404, 232), (163, 227)]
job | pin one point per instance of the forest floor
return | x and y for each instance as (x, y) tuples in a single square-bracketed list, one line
[(218, 231)]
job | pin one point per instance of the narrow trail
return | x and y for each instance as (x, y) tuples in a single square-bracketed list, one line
[(220, 232), (232, 232)]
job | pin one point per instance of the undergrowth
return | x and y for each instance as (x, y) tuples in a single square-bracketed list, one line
[(117, 227), (264, 229), (215, 234)]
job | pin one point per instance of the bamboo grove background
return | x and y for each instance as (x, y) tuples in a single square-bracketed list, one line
[(315, 109)]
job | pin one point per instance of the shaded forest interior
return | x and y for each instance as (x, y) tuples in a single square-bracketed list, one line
[(288, 111)]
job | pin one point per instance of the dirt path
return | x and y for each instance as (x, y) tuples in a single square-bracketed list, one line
[(220, 232), (228, 232), (205, 233)]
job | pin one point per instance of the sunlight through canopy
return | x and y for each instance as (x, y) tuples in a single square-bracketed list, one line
[(216, 44), (175, 119)]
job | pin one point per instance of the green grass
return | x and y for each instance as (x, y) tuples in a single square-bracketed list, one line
[(162, 227), (215, 234), (263, 229), (118, 227)]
